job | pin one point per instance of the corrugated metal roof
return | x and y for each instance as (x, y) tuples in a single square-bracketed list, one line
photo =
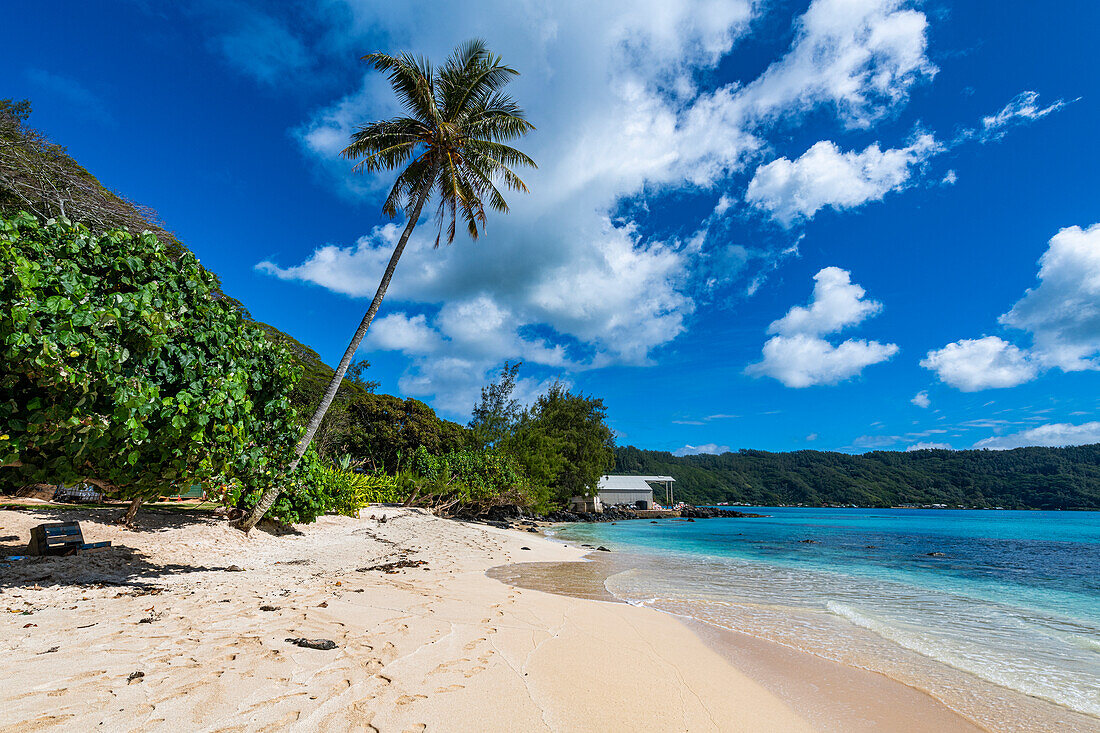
[(638, 483)]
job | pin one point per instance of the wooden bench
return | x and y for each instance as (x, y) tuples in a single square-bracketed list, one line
[(60, 538)]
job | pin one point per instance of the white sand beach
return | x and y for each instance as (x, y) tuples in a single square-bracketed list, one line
[(183, 625)]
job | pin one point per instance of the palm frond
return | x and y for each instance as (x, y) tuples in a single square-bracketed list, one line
[(452, 143), (412, 80)]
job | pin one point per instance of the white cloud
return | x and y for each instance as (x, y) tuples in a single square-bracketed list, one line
[(695, 450), (811, 437), (1022, 108), (615, 91), (861, 56), (950, 178), (798, 356), (1062, 312), (257, 44), (824, 176), (805, 361), (398, 332), (920, 399), (1054, 434), (928, 446), (985, 363), (837, 303)]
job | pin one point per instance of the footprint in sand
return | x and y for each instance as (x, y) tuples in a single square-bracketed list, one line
[(451, 688)]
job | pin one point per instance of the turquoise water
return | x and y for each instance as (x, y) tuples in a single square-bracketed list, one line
[(1011, 597)]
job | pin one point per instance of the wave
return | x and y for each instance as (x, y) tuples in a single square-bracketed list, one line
[(1048, 683)]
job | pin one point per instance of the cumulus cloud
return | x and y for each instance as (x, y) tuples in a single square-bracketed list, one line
[(824, 176), (798, 355), (399, 332), (928, 446), (837, 303), (615, 90), (920, 399), (1053, 434), (695, 450), (805, 361), (1062, 312), (985, 363)]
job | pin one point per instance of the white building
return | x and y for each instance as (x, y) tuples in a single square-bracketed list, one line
[(635, 491)]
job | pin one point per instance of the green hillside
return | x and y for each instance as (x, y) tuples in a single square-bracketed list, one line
[(1024, 478)]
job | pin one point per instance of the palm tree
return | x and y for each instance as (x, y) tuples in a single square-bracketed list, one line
[(452, 143)]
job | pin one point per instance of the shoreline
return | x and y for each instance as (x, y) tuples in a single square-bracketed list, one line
[(206, 615), (831, 696), (921, 685)]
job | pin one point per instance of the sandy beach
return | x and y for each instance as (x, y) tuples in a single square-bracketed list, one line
[(184, 624)]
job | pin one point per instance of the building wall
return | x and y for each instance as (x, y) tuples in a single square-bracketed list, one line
[(625, 496)]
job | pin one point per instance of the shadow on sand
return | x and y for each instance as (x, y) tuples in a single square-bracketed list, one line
[(117, 565)]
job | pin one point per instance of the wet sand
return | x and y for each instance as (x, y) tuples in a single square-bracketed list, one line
[(830, 695)]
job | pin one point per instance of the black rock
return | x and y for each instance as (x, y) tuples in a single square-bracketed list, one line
[(269, 608), (525, 548), (935, 554), (808, 542), (601, 548), (322, 644), (134, 676)]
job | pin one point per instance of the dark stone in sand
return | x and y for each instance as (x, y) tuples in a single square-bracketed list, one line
[(601, 548), (322, 644), (234, 569), (134, 676), (393, 567), (525, 548), (269, 608), (533, 529)]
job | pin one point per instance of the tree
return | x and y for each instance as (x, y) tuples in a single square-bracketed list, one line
[(563, 442), (452, 143), (39, 176), (120, 367), (496, 413)]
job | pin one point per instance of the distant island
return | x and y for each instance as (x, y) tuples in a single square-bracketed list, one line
[(1024, 478)]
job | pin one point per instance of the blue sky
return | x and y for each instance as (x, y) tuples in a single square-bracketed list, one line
[(838, 224)]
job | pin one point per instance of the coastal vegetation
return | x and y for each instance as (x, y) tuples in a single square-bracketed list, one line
[(175, 385), (122, 370), (450, 144), (1023, 478)]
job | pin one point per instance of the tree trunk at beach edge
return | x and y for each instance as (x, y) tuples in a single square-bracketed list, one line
[(267, 499)]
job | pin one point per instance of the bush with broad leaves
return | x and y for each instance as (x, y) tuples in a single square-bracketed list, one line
[(120, 366)]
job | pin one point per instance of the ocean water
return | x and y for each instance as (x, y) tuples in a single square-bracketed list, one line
[(1011, 598)]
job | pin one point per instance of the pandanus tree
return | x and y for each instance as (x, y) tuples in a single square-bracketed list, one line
[(450, 144)]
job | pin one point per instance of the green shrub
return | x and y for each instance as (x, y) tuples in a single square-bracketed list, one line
[(120, 365), (469, 481)]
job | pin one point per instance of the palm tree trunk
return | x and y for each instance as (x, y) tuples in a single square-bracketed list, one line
[(270, 495)]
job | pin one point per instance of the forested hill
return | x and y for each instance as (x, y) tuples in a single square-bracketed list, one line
[(1024, 478)]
